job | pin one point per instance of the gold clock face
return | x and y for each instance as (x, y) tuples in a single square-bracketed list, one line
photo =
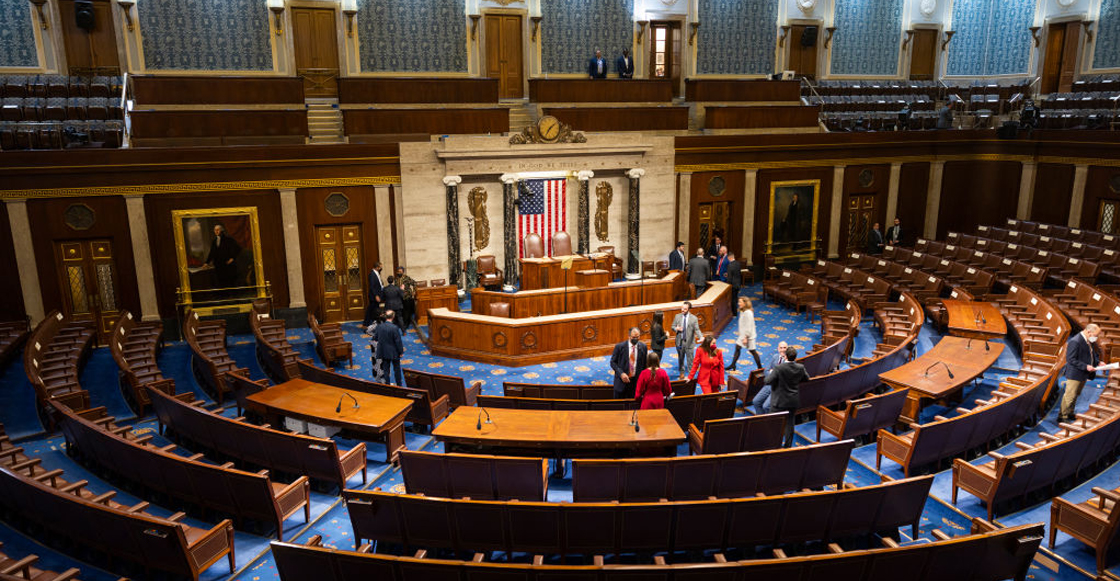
[(548, 127)]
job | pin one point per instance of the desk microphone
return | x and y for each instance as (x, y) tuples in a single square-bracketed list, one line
[(947, 370), (338, 408), (634, 420), (478, 424)]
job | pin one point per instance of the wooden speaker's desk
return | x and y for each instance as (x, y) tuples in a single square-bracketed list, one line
[(431, 297), (560, 433), (377, 417), (556, 301), (976, 319), (928, 379), (515, 342), (538, 273)]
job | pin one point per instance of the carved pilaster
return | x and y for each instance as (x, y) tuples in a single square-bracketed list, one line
[(509, 228), (454, 269), (583, 234), (633, 264)]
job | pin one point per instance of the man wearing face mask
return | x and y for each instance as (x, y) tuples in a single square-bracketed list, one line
[(627, 361), (1081, 366)]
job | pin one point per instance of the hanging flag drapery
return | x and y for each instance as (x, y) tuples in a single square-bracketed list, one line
[(543, 210)]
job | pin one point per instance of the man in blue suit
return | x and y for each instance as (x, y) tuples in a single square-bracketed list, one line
[(1081, 366), (625, 65), (373, 295), (597, 67), (390, 347), (627, 361), (761, 401), (676, 258)]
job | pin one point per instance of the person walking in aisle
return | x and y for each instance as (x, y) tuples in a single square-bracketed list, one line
[(707, 366), (747, 334), (657, 334), (686, 329), (653, 384), (761, 401)]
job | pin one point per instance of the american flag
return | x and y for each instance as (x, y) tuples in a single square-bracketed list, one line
[(544, 210)]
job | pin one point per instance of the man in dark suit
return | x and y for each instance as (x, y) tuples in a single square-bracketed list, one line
[(699, 271), (625, 65), (875, 240), (761, 401), (373, 295), (677, 258), (722, 260), (1081, 366), (224, 251), (713, 253), (597, 67), (894, 233), (393, 296), (627, 361), (785, 385), (733, 276), (390, 347)]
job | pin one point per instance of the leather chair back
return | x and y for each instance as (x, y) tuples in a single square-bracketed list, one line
[(487, 264), (439, 282), (534, 246), (499, 310), (561, 244)]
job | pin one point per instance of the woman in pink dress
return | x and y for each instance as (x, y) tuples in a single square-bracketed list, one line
[(653, 384), (707, 366)]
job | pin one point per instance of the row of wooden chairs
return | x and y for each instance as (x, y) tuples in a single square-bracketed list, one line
[(850, 284), (135, 346), (427, 410), (55, 351), (795, 290), (477, 476), (45, 499), (1104, 248), (25, 569), (438, 384), (543, 528), (210, 361), (276, 356), (989, 553), (961, 265), (1086, 304), (926, 288), (686, 409), (577, 391), (737, 475), (741, 434), (13, 334), (93, 436), (330, 344), (1093, 237), (1059, 267), (264, 446)]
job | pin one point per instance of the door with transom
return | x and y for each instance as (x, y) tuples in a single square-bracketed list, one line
[(341, 287), (715, 220), (923, 54), (665, 52), (503, 54), (88, 279)]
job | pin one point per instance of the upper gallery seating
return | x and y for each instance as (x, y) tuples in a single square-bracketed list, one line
[(134, 346), (284, 452), (1092, 104), (35, 496), (94, 436), (210, 361), (56, 111), (987, 554), (55, 350)]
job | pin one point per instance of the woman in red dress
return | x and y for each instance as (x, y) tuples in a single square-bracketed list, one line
[(653, 384), (709, 362)]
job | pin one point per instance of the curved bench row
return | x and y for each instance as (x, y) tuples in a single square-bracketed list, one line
[(276, 356), (421, 522), (56, 349), (1059, 267), (210, 361), (13, 334), (977, 263), (987, 554), (330, 344), (134, 346)]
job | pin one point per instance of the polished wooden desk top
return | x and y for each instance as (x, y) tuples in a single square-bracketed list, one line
[(561, 428), (316, 402), (966, 364), (975, 318)]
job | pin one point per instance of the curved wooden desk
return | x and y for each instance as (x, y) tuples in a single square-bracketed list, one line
[(560, 433), (927, 378), (532, 340), (975, 319), (555, 301)]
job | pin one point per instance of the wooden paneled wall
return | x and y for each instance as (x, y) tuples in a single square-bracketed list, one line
[(310, 203), (226, 127), (600, 90), (759, 117), (417, 90), (1053, 192), (161, 234), (11, 308), (110, 223), (741, 90), (1098, 187), (225, 90), (913, 188), (441, 121), (621, 118), (734, 183), (977, 192)]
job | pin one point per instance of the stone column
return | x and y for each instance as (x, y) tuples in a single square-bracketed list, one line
[(292, 251), (933, 199), (1080, 176), (397, 193), (382, 207), (750, 194), (454, 269), (1026, 190), (583, 231), (142, 256), (633, 221), (684, 210), (25, 260), (509, 227), (837, 208), (892, 195)]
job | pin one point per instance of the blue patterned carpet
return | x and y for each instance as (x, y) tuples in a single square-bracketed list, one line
[(1070, 560)]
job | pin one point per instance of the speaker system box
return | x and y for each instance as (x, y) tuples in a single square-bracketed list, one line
[(84, 16), (809, 36)]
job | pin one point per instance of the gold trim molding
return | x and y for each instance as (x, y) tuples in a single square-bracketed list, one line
[(184, 188)]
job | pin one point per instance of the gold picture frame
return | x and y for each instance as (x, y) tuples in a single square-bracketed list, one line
[(793, 236), (207, 288)]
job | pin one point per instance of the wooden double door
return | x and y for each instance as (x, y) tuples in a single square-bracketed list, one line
[(803, 41), (504, 60), (341, 281), (87, 276), (861, 216), (1059, 66), (316, 48)]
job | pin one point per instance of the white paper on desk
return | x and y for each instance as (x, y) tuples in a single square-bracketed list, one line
[(1109, 366)]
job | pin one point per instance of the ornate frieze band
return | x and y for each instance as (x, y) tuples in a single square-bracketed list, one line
[(145, 189)]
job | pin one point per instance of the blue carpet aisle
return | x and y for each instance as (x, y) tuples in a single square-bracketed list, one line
[(329, 517)]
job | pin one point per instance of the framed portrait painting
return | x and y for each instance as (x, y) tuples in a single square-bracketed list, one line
[(219, 256), (794, 207)]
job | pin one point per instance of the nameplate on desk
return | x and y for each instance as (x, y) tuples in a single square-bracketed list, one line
[(1096, 296), (566, 264)]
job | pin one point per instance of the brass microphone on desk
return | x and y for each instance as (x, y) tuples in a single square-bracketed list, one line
[(338, 408), (478, 424)]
